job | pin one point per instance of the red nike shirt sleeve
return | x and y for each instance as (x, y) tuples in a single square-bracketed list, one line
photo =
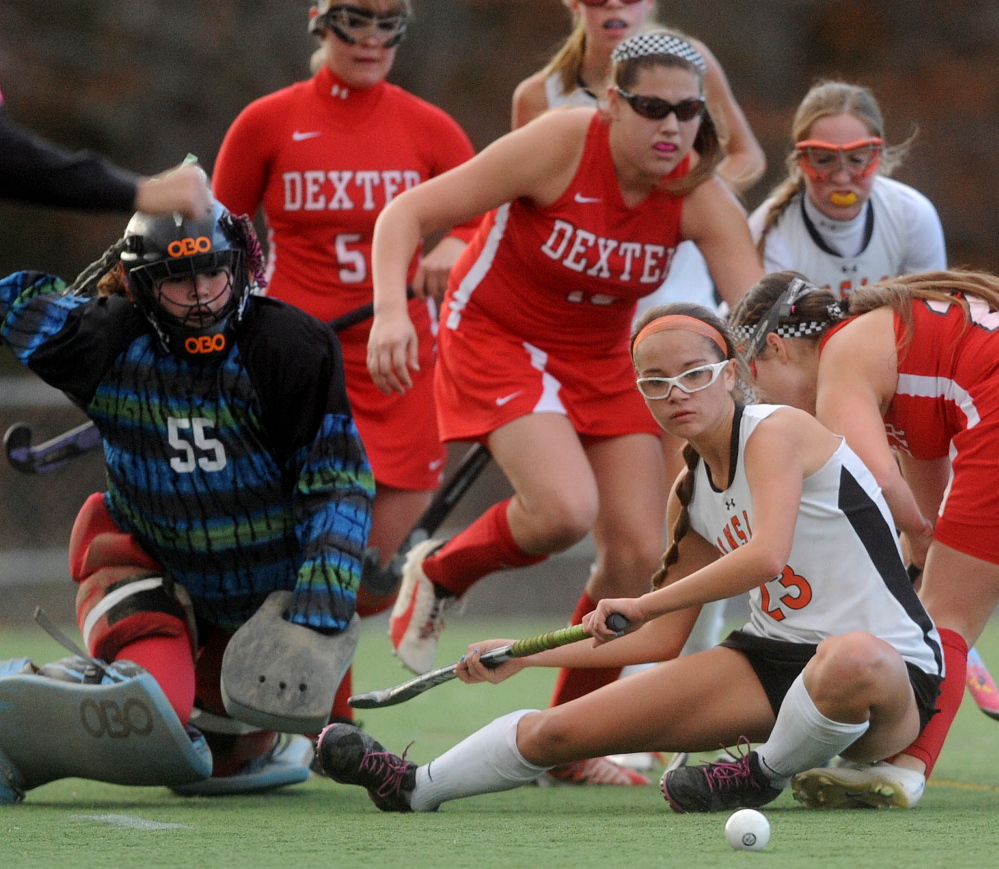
[(243, 162), (452, 148)]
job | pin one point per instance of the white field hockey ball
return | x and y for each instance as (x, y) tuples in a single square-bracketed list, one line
[(747, 830)]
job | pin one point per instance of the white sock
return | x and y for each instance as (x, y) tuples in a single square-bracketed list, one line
[(485, 762), (803, 737)]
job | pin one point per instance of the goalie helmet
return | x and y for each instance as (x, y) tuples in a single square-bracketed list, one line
[(158, 247)]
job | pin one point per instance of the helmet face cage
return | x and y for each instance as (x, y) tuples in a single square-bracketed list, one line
[(146, 284)]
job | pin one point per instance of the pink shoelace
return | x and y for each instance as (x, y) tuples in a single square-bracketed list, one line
[(385, 765), (721, 775)]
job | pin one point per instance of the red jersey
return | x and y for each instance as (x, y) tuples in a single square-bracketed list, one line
[(946, 404), (324, 160), (944, 373), (569, 274), (538, 311)]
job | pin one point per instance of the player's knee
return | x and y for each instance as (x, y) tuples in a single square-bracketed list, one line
[(848, 666), (543, 738), (563, 523), (629, 563), (116, 606)]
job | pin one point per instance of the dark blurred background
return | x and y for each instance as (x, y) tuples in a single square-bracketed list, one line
[(147, 81)]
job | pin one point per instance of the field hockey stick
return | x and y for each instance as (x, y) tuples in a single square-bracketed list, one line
[(981, 685), (493, 658), (54, 453), (381, 580)]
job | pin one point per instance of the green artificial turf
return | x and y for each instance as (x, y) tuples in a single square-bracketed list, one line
[(75, 823)]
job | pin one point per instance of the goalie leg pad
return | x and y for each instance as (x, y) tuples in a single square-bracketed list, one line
[(122, 730), (284, 677), (122, 595)]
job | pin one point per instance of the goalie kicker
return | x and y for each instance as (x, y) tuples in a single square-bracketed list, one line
[(113, 723)]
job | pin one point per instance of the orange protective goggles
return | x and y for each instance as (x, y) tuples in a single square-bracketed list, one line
[(821, 160)]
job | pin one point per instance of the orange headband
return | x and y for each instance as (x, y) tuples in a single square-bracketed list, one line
[(681, 323)]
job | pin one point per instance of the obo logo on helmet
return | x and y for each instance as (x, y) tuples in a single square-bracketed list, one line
[(189, 246)]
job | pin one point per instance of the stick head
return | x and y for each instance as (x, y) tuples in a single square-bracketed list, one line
[(17, 442)]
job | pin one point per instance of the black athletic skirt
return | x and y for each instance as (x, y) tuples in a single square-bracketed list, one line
[(777, 664)]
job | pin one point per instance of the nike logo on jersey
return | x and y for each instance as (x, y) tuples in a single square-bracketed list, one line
[(584, 200), (435, 464), (507, 398), (299, 136)]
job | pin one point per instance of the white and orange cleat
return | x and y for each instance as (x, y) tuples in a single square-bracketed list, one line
[(418, 615), (594, 771)]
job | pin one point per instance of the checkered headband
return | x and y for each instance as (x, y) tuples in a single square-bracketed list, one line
[(792, 330), (754, 338), (658, 42)]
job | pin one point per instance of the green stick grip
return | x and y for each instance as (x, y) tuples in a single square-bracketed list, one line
[(543, 642)]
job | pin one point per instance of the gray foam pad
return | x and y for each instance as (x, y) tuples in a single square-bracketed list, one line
[(124, 732), (280, 676)]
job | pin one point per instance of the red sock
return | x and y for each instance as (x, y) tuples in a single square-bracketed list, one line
[(573, 683), (169, 661), (485, 546), (342, 711), (930, 742)]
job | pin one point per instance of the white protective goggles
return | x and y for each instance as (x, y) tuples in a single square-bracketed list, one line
[(692, 380)]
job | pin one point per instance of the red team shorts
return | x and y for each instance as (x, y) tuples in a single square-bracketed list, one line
[(487, 377), (969, 520), (399, 432)]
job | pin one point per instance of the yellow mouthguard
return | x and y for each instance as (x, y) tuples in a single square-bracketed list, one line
[(843, 198)]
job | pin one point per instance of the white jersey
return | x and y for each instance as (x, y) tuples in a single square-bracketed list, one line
[(845, 570), (557, 97), (688, 279), (897, 232)]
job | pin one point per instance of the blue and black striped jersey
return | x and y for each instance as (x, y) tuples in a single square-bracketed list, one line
[(242, 473)]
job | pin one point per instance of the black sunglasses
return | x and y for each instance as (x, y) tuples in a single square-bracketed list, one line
[(656, 109)]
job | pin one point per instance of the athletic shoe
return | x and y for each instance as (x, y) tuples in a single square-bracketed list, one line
[(593, 771), (719, 786), (286, 763), (18, 667), (640, 760), (981, 686), (418, 615), (859, 786), (348, 755)]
